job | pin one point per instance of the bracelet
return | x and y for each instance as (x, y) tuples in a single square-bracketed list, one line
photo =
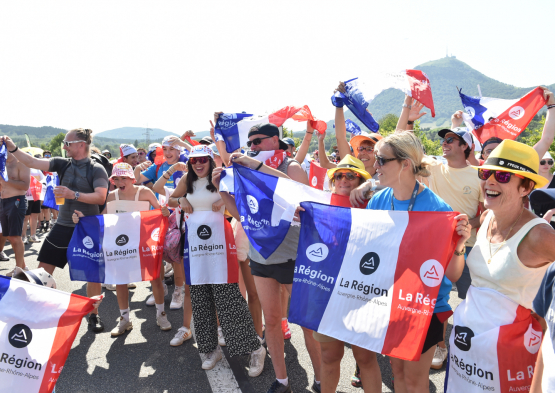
[(14, 150), (407, 106), (410, 122), (259, 166), (179, 203), (548, 107), (374, 186), (459, 253)]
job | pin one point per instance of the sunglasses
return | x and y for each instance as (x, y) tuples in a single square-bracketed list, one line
[(141, 153), (346, 175), (67, 143), (257, 141), (382, 161), (199, 160), (449, 140), (47, 156), (369, 149), (500, 176), (549, 162)]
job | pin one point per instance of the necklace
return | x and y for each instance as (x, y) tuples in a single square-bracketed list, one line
[(504, 241)]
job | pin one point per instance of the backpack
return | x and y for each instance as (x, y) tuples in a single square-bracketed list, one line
[(175, 238)]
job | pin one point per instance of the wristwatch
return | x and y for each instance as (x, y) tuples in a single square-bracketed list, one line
[(76, 195)]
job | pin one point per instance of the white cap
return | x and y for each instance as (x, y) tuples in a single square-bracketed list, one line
[(201, 151), (166, 142), (35, 276), (547, 155), (126, 150)]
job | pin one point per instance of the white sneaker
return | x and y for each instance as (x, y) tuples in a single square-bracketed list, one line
[(256, 363), (212, 358), (439, 357), (131, 285), (123, 326), (33, 239), (162, 321), (221, 338), (177, 299), (183, 334), (110, 287), (168, 270), (11, 273), (25, 240), (151, 302)]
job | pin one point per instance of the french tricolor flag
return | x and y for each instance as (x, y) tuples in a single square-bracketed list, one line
[(360, 92), (37, 328), (505, 119), (236, 134), (117, 248), (371, 277), (49, 199), (267, 204), (493, 346)]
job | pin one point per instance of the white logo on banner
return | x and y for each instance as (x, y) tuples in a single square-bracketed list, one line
[(314, 181), (431, 273), (317, 252), (516, 112), (87, 242), (155, 235), (253, 204), (470, 110), (532, 340)]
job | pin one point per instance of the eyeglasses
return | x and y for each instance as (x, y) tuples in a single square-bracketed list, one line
[(257, 141), (549, 162), (47, 156), (369, 149), (500, 176), (141, 153), (449, 140), (382, 161), (199, 160), (347, 175), (67, 143)]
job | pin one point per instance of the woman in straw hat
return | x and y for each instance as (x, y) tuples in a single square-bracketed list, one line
[(514, 247)]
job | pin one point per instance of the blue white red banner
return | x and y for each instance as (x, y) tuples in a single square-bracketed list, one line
[(371, 277), (49, 197), (493, 354), (3, 158), (37, 329), (210, 254), (117, 248)]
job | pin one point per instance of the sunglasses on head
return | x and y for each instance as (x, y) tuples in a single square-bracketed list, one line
[(199, 160), (449, 140), (257, 141), (369, 149), (500, 176), (67, 143), (347, 175), (382, 161), (549, 162)]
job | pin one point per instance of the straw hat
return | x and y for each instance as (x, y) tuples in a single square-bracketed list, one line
[(353, 164), (515, 157)]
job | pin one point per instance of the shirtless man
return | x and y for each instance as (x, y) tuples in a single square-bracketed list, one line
[(13, 206)]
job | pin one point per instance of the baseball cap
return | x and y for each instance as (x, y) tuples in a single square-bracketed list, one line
[(36, 276), (267, 129), (126, 150), (206, 141), (289, 141), (462, 132)]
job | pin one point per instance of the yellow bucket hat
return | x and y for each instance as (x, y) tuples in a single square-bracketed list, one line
[(353, 164), (518, 158)]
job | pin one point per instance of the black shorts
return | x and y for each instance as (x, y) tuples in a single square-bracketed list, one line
[(32, 207), (44, 207), (54, 248), (434, 335), (12, 214), (281, 272)]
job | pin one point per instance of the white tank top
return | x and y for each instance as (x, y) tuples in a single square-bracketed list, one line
[(506, 273), (121, 206), (202, 199)]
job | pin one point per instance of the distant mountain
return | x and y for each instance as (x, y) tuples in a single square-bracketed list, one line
[(134, 133)]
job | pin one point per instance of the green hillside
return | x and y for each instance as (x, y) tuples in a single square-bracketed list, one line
[(134, 133)]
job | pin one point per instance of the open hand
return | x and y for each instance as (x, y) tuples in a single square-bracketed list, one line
[(414, 113)]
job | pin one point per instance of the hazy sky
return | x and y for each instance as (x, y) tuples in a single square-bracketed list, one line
[(171, 64)]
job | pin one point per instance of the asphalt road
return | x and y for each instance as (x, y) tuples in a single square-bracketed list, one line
[(143, 361)]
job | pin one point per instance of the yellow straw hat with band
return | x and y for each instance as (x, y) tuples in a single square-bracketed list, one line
[(353, 164), (515, 157), (364, 136)]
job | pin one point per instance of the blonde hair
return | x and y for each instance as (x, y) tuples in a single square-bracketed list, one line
[(406, 146), (84, 134)]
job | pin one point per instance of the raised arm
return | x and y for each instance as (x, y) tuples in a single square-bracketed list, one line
[(138, 169), (251, 163), (409, 114), (158, 187), (548, 132), (303, 148), (28, 160), (219, 144), (323, 156)]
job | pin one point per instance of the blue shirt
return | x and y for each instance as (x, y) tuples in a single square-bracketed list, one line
[(426, 201), (544, 303), (150, 174)]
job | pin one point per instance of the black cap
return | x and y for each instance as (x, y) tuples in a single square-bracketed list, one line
[(206, 141), (268, 129)]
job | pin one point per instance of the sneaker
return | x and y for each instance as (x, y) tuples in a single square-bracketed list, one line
[(177, 299), (221, 338), (4, 257), (256, 362), (110, 287), (439, 357), (168, 270), (212, 358), (95, 323), (131, 285), (162, 321), (316, 388), (123, 326), (285, 329), (151, 302), (277, 387), (183, 334), (33, 239), (25, 240), (11, 273), (355, 379)]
